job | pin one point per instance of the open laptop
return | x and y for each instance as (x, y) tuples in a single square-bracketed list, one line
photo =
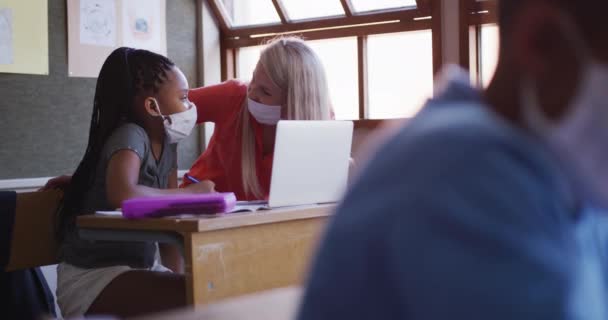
[(310, 165)]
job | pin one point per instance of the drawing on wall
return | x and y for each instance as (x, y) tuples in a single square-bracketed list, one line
[(141, 24), (6, 36), (97, 27), (98, 22)]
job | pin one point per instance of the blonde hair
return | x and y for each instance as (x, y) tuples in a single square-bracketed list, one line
[(294, 67)]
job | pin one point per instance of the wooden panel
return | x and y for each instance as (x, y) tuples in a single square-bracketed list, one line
[(489, 5), (483, 18), (362, 74), (33, 243), (278, 6), (463, 32), (279, 304), (119, 223), (234, 262), (424, 4), (237, 220), (219, 15), (200, 65), (347, 7), (483, 12), (201, 224), (409, 25), (228, 60), (403, 15), (437, 35)]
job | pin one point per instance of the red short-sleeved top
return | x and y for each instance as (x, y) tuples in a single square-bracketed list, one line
[(221, 162)]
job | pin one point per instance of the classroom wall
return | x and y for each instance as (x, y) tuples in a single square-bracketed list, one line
[(44, 120)]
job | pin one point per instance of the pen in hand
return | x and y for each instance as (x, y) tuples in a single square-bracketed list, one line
[(191, 178)]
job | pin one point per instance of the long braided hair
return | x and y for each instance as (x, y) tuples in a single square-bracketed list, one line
[(125, 73)]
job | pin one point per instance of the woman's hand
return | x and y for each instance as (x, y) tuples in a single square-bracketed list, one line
[(61, 182), (205, 186)]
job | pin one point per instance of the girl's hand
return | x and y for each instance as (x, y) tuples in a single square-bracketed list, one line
[(205, 186), (61, 182)]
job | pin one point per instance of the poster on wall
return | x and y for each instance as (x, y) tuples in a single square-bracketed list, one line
[(98, 22), (24, 37), (141, 21), (6, 36), (97, 27)]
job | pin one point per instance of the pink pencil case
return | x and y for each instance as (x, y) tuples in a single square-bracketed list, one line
[(209, 203)]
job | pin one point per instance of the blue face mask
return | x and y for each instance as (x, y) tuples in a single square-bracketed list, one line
[(264, 114)]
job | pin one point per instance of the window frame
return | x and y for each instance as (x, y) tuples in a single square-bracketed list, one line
[(477, 14), (425, 16)]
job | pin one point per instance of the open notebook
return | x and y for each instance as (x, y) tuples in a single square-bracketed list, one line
[(243, 206)]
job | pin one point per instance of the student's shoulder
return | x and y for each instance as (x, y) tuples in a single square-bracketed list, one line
[(461, 135), (128, 136), (457, 152), (455, 167), (130, 131)]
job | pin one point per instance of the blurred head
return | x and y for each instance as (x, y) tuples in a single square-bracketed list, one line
[(128, 81), (554, 57), (166, 96), (289, 74), (548, 43), (164, 106)]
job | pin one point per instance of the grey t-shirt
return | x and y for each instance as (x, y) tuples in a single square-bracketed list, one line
[(152, 173)]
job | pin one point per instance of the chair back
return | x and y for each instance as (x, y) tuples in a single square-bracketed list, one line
[(33, 242)]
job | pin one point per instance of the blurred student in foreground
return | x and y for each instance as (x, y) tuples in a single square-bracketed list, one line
[(480, 208)]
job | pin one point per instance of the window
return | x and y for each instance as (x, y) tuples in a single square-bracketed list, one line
[(483, 41), (379, 55), (248, 58), (488, 53), (400, 73), (309, 9), (250, 12), (373, 5), (341, 68)]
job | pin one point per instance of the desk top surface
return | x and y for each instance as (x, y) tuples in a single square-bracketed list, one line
[(201, 223)]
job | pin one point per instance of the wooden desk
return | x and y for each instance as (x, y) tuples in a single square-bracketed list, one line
[(278, 304), (230, 255)]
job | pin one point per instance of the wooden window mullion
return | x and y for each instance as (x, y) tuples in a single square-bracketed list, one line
[(363, 77), (278, 6)]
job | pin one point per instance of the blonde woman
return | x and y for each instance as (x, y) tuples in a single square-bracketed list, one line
[(288, 83)]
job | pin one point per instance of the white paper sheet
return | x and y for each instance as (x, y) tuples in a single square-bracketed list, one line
[(141, 24), (98, 22), (6, 36)]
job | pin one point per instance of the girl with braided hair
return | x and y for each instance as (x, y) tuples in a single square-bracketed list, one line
[(140, 111)]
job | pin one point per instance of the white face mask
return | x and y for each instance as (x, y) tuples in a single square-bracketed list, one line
[(263, 113), (580, 139), (179, 125)]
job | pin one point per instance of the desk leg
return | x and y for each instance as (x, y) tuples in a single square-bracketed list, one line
[(232, 262)]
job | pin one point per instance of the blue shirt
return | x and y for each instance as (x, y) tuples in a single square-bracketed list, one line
[(460, 216)]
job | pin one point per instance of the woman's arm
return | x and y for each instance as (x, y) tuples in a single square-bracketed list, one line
[(216, 101), (122, 176)]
